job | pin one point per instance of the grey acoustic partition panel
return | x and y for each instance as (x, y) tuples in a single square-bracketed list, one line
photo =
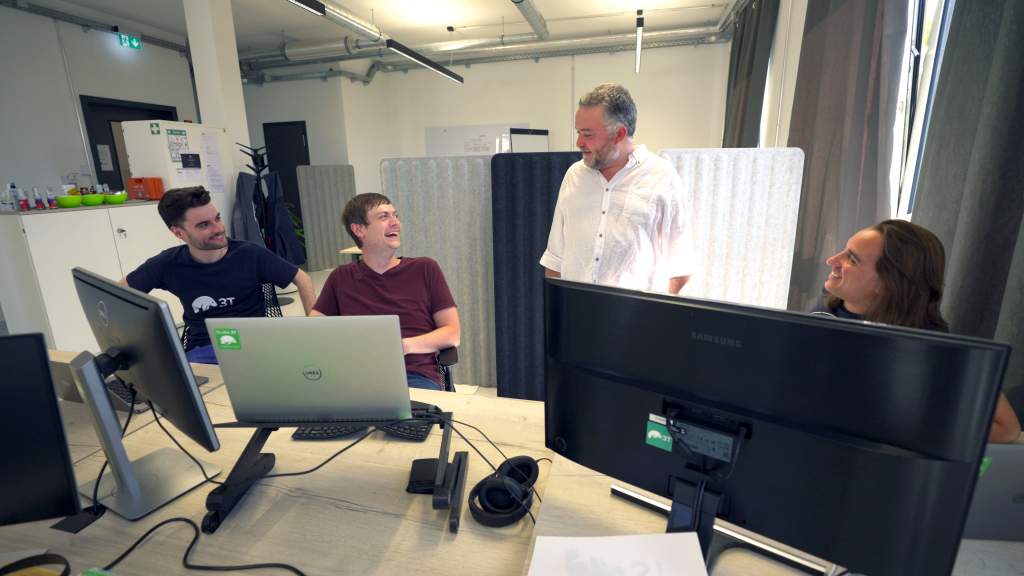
[(444, 204), (324, 191), (743, 205)]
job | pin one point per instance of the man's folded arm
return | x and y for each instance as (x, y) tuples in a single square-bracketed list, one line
[(447, 334)]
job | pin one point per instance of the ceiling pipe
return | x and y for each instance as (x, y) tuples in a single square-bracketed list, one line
[(325, 49)]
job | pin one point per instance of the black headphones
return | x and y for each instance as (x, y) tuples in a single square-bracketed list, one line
[(504, 497), (38, 560)]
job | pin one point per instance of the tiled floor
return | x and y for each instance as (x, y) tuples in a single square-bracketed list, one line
[(319, 279)]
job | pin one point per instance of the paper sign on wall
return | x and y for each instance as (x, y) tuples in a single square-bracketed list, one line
[(106, 162), (177, 141), (189, 175)]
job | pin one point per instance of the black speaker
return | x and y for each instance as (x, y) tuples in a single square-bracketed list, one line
[(504, 497)]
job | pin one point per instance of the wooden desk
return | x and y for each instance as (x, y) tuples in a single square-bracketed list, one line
[(351, 517), (578, 502)]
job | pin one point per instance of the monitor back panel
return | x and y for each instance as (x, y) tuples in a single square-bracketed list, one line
[(344, 368)]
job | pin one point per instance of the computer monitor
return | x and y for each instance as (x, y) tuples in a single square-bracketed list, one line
[(36, 474), (857, 443), (141, 345)]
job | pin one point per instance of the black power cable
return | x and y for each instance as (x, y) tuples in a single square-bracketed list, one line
[(191, 546)]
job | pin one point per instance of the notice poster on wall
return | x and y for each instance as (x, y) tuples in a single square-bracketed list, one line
[(106, 162), (177, 141), (212, 162)]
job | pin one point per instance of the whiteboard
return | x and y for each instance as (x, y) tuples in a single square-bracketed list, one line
[(529, 140), (467, 140)]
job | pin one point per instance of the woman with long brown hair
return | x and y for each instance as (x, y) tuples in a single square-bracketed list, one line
[(892, 273)]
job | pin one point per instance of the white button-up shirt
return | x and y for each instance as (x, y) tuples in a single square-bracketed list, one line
[(632, 231)]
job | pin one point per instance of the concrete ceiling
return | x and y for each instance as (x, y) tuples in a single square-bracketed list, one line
[(263, 24)]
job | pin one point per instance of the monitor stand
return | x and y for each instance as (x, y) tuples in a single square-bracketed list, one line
[(134, 488)]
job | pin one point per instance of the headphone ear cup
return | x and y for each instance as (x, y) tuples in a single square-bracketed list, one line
[(522, 469), (499, 496)]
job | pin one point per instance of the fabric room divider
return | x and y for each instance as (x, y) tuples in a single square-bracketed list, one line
[(444, 204), (524, 189), (324, 191)]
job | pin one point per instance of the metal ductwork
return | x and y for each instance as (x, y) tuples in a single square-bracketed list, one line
[(327, 49)]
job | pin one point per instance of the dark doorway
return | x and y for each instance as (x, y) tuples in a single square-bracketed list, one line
[(98, 113), (287, 147)]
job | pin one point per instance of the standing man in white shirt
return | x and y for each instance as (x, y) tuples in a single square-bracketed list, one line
[(620, 219)]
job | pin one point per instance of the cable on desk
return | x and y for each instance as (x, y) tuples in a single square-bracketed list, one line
[(499, 452), (188, 551), (96, 487), (504, 479), (156, 417)]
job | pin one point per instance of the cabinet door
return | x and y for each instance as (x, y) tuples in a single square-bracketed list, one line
[(58, 242), (140, 234)]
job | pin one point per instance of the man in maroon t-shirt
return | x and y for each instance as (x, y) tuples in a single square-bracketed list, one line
[(414, 289)]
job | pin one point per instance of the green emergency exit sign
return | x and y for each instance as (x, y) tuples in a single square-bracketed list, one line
[(129, 41)]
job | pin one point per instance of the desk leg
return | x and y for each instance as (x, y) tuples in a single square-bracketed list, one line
[(251, 466)]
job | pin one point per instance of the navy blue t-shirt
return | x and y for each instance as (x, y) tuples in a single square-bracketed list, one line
[(231, 287), (842, 312)]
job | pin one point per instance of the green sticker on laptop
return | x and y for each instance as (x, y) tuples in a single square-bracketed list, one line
[(227, 339), (984, 464)]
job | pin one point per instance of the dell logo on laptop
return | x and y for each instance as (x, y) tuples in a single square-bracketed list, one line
[(312, 372)]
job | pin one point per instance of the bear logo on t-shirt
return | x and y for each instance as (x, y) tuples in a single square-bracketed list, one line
[(203, 303)]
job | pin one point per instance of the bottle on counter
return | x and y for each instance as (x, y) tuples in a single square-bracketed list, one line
[(38, 198), (51, 200), (7, 199), (22, 200)]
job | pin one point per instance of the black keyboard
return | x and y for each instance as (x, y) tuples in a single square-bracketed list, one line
[(414, 430), (325, 432), (121, 391)]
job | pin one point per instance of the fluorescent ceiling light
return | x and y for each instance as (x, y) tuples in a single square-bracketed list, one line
[(422, 61), (313, 6), (639, 36)]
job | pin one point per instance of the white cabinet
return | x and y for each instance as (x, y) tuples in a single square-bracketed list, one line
[(39, 249)]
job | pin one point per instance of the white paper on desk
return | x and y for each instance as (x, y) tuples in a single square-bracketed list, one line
[(676, 554)]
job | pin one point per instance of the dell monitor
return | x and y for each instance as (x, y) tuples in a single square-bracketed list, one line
[(855, 442), (141, 346), (36, 476)]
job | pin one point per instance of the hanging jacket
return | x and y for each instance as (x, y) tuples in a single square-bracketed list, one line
[(244, 223), (283, 239)]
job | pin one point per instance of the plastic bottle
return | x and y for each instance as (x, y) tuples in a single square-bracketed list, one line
[(51, 200), (7, 199), (38, 199), (22, 200)]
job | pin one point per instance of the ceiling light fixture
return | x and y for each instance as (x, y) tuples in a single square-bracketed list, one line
[(425, 62), (639, 36), (313, 6)]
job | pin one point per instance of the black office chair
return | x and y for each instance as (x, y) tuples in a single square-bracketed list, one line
[(445, 360), (271, 309)]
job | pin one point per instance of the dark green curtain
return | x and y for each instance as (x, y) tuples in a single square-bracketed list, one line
[(748, 73), (970, 190), (844, 110)]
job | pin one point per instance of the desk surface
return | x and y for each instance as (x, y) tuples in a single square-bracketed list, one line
[(353, 516)]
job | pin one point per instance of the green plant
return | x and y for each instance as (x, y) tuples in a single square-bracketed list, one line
[(297, 223)]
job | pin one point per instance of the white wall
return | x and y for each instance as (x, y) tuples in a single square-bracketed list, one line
[(680, 94), (316, 102), (782, 67), (39, 136)]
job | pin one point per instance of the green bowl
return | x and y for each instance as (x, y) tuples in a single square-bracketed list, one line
[(68, 201), (115, 198), (92, 199)]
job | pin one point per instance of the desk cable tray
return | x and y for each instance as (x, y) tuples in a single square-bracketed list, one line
[(252, 465)]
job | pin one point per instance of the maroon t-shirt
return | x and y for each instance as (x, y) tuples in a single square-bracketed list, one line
[(414, 291)]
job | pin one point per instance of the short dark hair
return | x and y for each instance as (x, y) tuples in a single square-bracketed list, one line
[(619, 109), (910, 271), (176, 202), (356, 210)]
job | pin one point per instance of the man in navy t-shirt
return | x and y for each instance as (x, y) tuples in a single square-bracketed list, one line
[(414, 289), (214, 277)]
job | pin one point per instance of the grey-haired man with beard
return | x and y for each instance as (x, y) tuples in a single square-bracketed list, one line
[(620, 219)]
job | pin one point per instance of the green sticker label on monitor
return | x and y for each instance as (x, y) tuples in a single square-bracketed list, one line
[(984, 464), (227, 339), (658, 436)]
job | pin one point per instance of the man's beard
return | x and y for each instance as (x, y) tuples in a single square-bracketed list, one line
[(206, 244), (601, 159)]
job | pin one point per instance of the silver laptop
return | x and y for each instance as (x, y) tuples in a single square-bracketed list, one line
[(334, 369), (997, 509)]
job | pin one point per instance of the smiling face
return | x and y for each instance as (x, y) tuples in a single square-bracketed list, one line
[(854, 278), (599, 147), (383, 233), (202, 228)]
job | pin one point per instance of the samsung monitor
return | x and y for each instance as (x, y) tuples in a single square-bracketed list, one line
[(36, 476), (857, 443), (142, 347)]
